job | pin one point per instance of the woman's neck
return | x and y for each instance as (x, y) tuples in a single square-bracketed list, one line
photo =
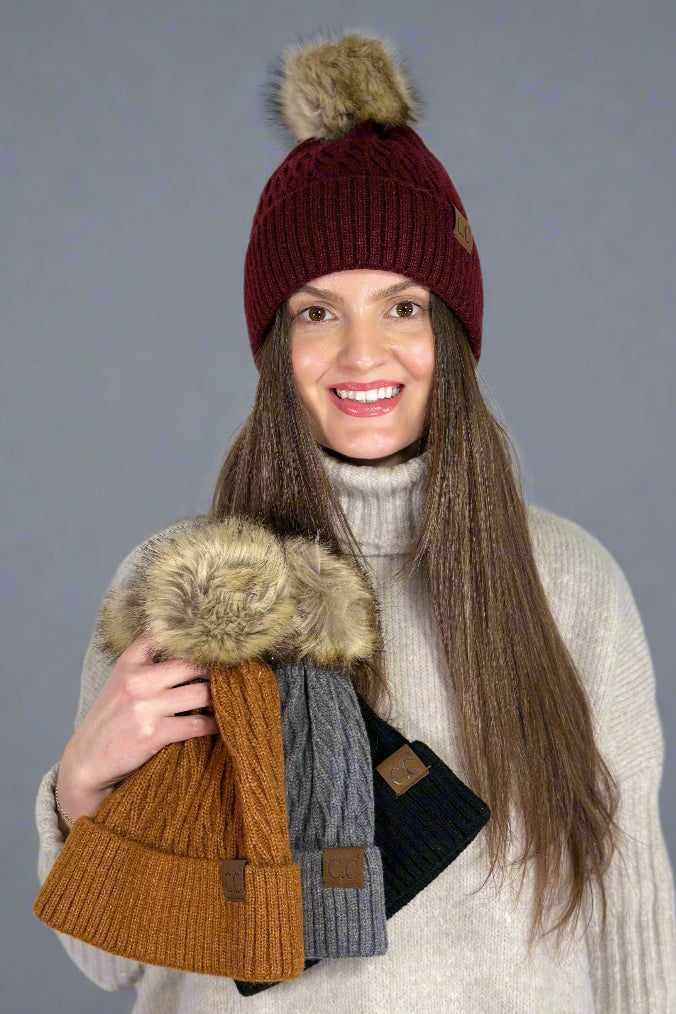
[(383, 504)]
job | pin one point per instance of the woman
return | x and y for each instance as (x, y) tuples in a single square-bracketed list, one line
[(510, 640)]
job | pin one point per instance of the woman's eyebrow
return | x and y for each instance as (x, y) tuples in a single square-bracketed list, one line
[(391, 290)]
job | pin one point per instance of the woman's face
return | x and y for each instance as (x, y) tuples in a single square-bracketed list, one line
[(361, 331)]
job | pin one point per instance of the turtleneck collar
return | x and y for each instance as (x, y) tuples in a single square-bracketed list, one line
[(383, 504)]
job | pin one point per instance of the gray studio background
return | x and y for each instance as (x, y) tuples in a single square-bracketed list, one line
[(133, 150)]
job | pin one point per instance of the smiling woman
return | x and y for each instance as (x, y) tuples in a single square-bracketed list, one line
[(363, 363), (376, 526)]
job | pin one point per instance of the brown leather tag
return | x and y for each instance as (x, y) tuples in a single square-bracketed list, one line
[(462, 231), (343, 867), (232, 878), (402, 769)]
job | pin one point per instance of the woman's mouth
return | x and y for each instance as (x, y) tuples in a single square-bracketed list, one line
[(374, 401)]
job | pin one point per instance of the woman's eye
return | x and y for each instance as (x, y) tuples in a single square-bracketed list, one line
[(406, 308), (316, 314)]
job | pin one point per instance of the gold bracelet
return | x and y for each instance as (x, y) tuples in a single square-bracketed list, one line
[(60, 811)]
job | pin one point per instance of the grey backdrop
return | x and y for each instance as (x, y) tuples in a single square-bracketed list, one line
[(133, 150)]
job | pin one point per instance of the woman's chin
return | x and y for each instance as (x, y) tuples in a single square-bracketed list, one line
[(381, 457)]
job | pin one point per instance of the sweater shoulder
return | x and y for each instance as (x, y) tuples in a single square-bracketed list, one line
[(565, 549)]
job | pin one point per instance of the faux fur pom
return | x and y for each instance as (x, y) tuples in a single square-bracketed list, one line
[(214, 593), (323, 87)]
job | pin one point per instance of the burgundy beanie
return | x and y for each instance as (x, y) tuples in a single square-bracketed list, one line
[(360, 190)]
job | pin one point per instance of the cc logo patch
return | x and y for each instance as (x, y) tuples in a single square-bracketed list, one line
[(402, 770), (232, 879), (343, 867)]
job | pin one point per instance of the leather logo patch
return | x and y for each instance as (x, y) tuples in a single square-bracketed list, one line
[(462, 231), (343, 867), (232, 878), (402, 770)]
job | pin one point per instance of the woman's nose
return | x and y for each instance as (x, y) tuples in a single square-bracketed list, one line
[(362, 345)]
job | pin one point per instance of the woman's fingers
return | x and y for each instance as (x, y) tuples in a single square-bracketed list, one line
[(140, 708), (193, 695), (147, 678), (178, 729), (173, 673)]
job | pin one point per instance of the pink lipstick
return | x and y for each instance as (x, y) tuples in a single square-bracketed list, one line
[(361, 408)]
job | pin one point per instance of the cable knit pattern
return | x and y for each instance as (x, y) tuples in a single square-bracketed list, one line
[(461, 945), (245, 697), (324, 733), (329, 796), (142, 879)]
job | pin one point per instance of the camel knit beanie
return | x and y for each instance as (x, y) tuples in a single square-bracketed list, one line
[(329, 794), (360, 189), (188, 863), (425, 816)]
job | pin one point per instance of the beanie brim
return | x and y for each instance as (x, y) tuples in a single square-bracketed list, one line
[(343, 922), (159, 909)]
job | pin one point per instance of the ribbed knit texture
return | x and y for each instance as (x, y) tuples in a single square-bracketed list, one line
[(375, 199), (142, 877), (329, 795), (461, 944)]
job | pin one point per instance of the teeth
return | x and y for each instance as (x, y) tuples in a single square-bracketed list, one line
[(377, 394)]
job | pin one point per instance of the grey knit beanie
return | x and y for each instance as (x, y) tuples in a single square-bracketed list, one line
[(329, 798)]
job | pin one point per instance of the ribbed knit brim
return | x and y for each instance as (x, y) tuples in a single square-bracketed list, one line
[(170, 910), (343, 922)]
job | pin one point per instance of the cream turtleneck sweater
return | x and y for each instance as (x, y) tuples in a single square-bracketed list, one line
[(462, 944)]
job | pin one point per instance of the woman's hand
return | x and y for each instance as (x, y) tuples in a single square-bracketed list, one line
[(134, 716)]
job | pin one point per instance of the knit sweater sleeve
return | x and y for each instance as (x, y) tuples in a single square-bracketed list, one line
[(108, 971), (633, 958)]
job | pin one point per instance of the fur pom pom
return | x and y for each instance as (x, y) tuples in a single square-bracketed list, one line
[(219, 595), (335, 611), (323, 86), (120, 621), (215, 593)]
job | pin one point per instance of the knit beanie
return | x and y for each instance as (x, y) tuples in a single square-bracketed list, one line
[(188, 863), (425, 816), (329, 797), (360, 189), (424, 812)]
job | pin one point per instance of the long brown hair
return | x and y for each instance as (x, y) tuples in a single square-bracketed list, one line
[(524, 720)]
